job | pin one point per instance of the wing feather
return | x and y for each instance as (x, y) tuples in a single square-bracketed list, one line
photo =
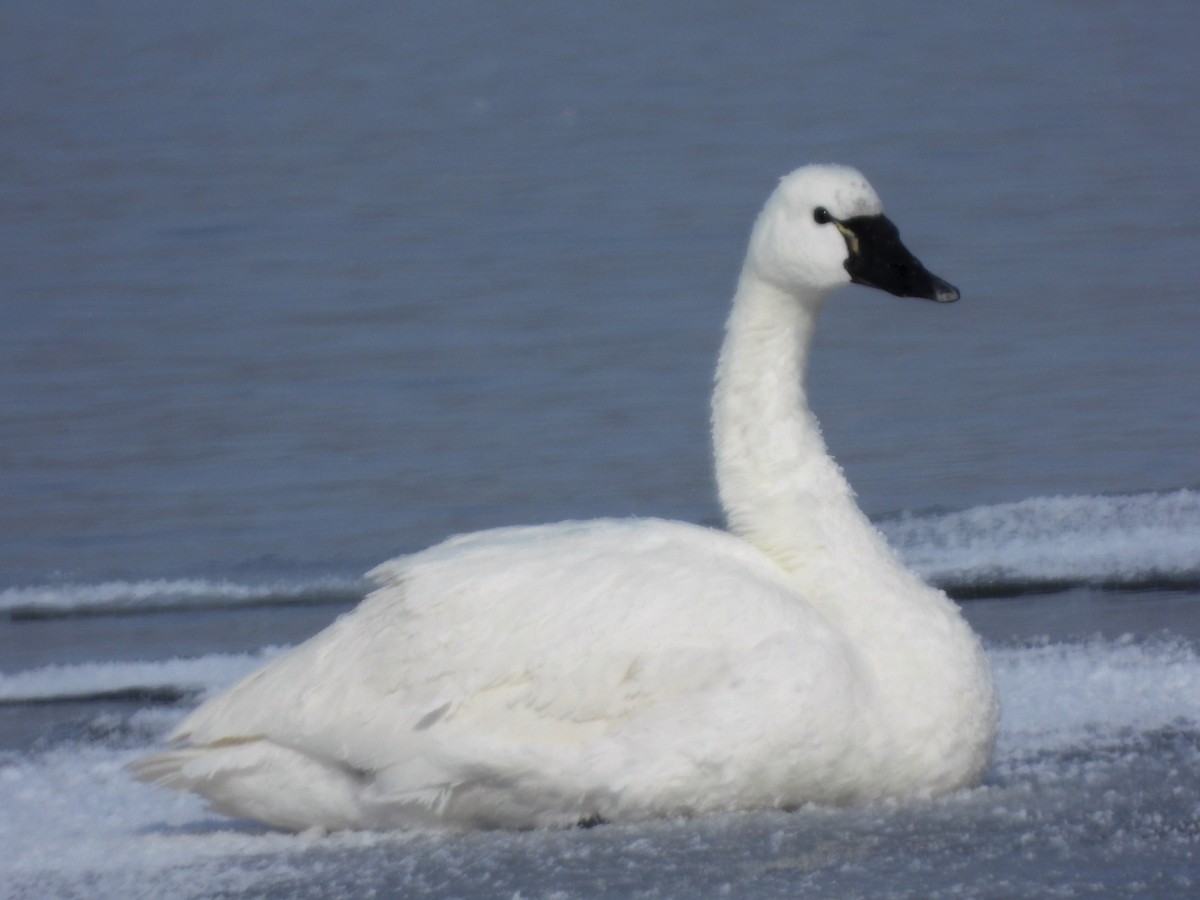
[(517, 647)]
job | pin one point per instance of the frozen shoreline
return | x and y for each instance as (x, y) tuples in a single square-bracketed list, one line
[(1096, 772)]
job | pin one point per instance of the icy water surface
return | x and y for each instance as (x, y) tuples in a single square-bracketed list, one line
[(289, 291)]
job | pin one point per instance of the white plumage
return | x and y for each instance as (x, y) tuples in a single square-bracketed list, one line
[(627, 669)]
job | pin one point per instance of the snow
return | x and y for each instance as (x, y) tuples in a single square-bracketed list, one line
[(81, 680), (1096, 779), (1089, 539)]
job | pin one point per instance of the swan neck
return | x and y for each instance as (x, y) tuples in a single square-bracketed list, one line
[(778, 486)]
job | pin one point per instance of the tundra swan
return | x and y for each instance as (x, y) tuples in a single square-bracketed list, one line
[(618, 670)]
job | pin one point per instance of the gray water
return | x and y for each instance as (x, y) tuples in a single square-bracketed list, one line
[(287, 291)]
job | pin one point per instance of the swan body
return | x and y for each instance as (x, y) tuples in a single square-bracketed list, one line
[(626, 669)]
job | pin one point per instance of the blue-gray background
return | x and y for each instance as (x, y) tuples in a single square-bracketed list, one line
[(330, 284), (287, 289)]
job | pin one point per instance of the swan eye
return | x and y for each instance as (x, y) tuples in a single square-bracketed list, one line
[(821, 216)]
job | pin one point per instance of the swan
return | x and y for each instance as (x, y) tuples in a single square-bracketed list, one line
[(625, 669)]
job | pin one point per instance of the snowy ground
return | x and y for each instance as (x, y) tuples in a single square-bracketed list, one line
[(1095, 792)]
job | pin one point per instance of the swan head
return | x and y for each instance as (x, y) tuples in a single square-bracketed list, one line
[(824, 227)]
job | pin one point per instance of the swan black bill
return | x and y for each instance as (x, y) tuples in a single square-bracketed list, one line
[(880, 260)]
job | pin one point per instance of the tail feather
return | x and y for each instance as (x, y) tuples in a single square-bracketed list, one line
[(256, 779)]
